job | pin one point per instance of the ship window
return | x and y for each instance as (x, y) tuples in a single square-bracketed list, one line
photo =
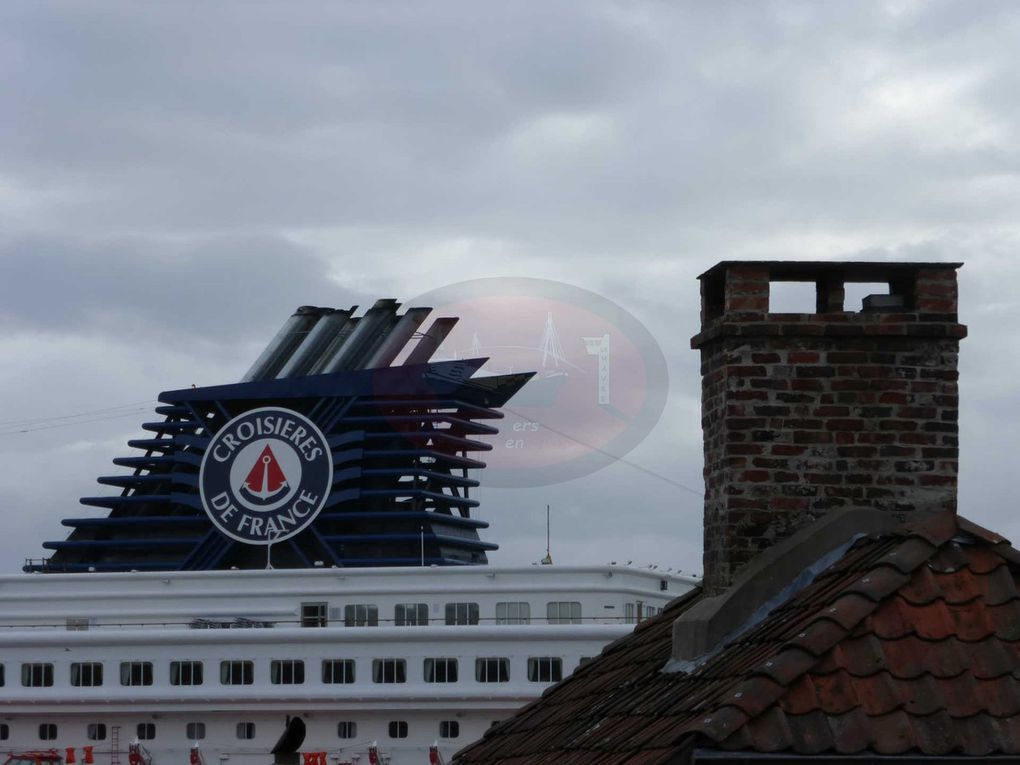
[(338, 670), (492, 670), (440, 670), (136, 673), (630, 613), (246, 730), (237, 673), (75, 624), (86, 674), (389, 671), (95, 732), (287, 672), (508, 612), (194, 731), (398, 729), (361, 615), (449, 729), (2, 678), (411, 614), (462, 613), (5, 731), (545, 669), (347, 729), (563, 612), (314, 615), (37, 675), (186, 673), (146, 731), (47, 731)]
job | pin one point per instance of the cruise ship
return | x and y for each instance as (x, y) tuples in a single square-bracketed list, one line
[(288, 567)]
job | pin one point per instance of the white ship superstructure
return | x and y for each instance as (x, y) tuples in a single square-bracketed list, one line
[(403, 657)]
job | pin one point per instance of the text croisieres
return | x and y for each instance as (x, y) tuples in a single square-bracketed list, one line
[(267, 425)]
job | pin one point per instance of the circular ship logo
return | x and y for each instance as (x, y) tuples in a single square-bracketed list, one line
[(265, 475)]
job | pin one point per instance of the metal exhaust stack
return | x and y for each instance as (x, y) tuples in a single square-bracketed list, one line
[(286, 341), (365, 334), (430, 341), (315, 343)]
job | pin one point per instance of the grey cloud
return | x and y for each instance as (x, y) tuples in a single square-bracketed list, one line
[(185, 174), (230, 288), (310, 115)]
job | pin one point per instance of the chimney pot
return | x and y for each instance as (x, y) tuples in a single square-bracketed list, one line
[(813, 412)]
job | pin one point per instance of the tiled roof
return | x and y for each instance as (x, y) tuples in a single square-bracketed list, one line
[(910, 643)]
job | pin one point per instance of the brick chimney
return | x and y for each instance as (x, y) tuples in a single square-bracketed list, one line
[(810, 412)]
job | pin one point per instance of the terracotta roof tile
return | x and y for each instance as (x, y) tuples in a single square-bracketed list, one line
[(910, 643), (785, 667)]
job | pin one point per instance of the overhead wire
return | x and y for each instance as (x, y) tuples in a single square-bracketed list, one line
[(76, 414), (17, 427), (31, 425), (615, 457)]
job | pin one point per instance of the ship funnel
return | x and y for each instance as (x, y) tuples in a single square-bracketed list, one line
[(287, 340)]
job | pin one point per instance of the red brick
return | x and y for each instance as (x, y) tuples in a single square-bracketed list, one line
[(831, 411), (749, 395), (941, 289), (788, 449), (876, 438), (759, 274), (860, 479), (747, 287), (802, 357), (748, 303), (918, 412), (857, 451), (744, 448), (748, 504), (824, 478), (745, 423), (812, 385), (812, 437), (846, 357), (897, 425), (845, 423), (922, 439), (928, 275), (738, 370), (802, 423), (891, 397), (817, 371), (848, 384), (789, 503), (935, 304)]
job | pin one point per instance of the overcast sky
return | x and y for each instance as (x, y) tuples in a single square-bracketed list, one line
[(176, 177)]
